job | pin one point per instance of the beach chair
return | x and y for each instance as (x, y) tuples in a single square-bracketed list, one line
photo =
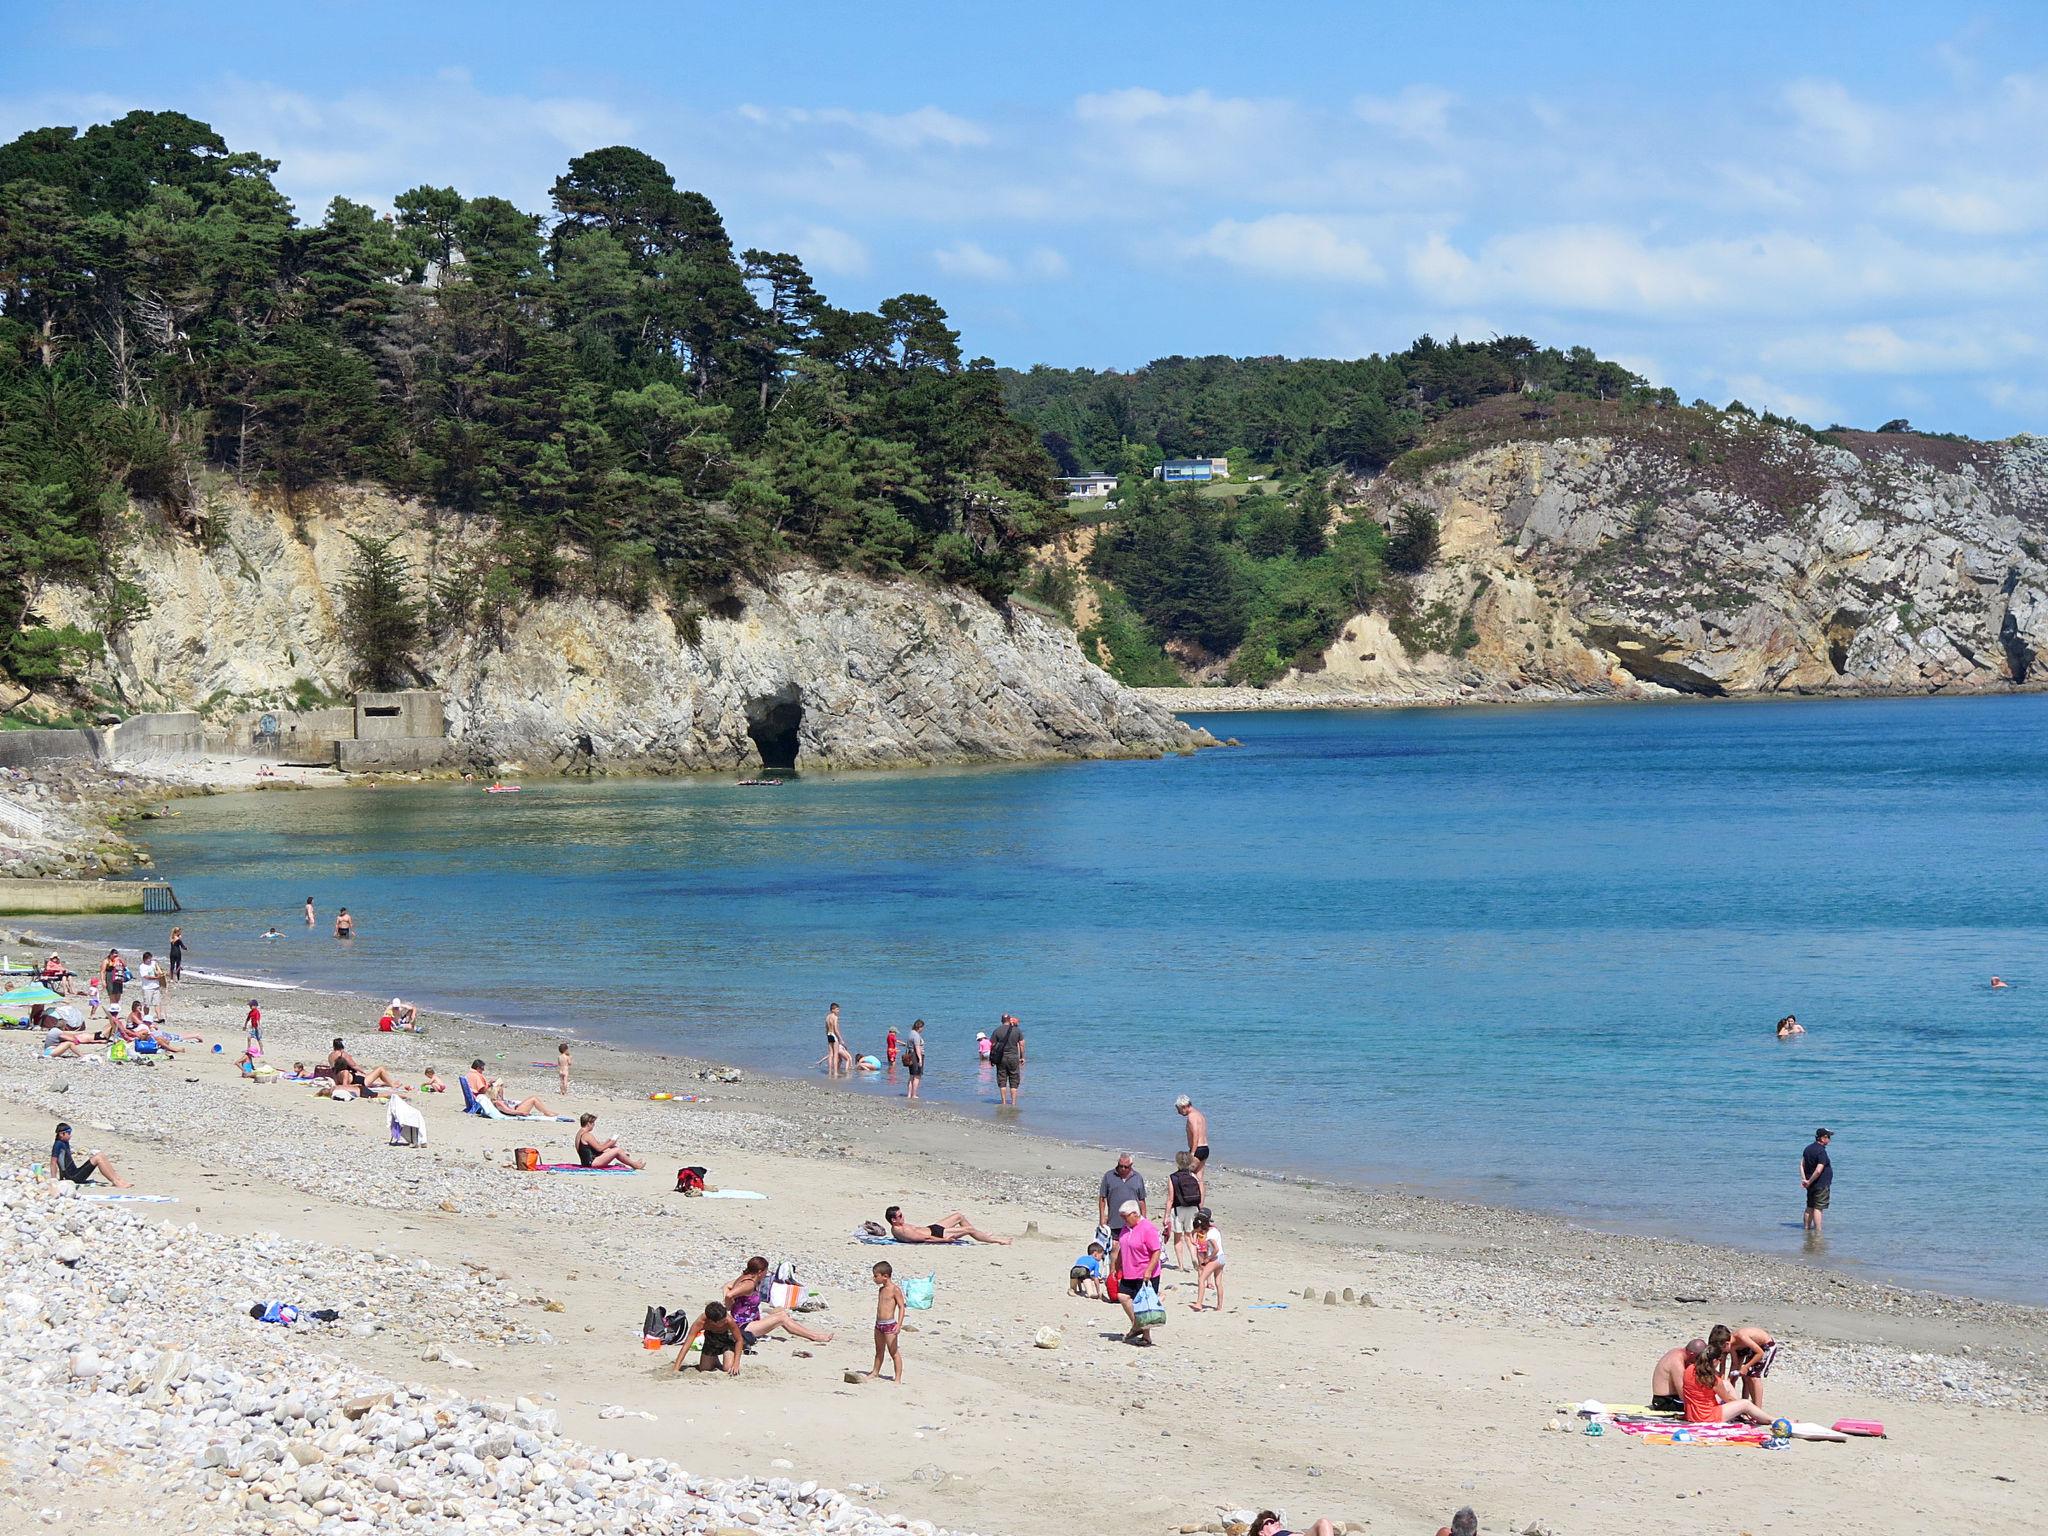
[(469, 1103)]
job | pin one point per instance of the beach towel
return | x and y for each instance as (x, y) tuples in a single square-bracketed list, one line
[(1664, 1432), (408, 1125), (122, 1197), (491, 1111), (862, 1235), (733, 1194), (578, 1168)]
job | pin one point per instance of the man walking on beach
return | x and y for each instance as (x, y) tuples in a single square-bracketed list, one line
[(1817, 1174), (1122, 1185), (1006, 1054)]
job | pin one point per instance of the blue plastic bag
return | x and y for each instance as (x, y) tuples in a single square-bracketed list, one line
[(917, 1292)]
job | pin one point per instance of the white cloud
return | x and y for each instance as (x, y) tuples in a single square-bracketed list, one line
[(1196, 139), (1418, 112), (1288, 245), (827, 250), (1762, 394), (976, 263), (1975, 208), (915, 129), (1941, 347), (1826, 115)]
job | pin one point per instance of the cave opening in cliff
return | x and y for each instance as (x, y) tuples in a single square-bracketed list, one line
[(775, 721)]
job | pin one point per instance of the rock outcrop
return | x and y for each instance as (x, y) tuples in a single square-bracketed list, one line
[(802, 667), (1746, 560)]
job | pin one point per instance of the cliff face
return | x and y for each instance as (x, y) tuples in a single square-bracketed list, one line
[(820, 669), (1747, 559)]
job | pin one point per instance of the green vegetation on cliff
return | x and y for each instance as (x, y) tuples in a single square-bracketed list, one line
[(632, 400), (1291, 413)]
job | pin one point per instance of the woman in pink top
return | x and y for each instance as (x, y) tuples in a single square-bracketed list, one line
[(1138, 1248)]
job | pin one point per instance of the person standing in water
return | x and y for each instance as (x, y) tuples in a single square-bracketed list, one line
[(309, 911), (1006, 1054), (344, 925), (835, 1047), (177, 955), (1817, 1175), (913, 1058)]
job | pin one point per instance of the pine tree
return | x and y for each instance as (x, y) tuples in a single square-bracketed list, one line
[(381, 620)]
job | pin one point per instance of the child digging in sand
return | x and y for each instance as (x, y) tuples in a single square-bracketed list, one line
[(889, 1305), (1087, 1273)]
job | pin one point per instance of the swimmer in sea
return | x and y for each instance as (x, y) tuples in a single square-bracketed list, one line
[(1996, 984), (272, 933), (1789, 1026)]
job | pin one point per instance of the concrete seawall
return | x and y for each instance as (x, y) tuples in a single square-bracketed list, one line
[(50, 898)]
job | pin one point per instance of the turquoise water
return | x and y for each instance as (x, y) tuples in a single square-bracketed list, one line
[(1532, 956)]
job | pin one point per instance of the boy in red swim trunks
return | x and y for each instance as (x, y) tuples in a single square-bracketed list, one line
[(890, 1048)]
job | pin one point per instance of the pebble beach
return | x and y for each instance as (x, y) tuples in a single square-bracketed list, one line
[(1383, 1357)]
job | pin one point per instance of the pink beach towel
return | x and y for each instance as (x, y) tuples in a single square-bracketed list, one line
[(1665, 1430)]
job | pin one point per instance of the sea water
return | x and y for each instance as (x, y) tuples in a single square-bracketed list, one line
[(1532, 956)]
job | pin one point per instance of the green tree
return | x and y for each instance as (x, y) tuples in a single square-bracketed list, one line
[(381, 620)]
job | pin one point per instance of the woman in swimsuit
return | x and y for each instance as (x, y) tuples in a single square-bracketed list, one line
[(64, 1166), (743, 1300), (602, 1154)]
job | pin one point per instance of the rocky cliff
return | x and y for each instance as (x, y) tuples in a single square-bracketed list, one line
[(819, 669), (1639, 552)]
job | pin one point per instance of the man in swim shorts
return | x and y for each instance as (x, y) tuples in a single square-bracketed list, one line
[(1751, 1350), (948, 1228), (1198, 1135), (1669, 1376)]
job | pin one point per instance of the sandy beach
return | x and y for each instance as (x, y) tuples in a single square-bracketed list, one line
[(1437, 1386)]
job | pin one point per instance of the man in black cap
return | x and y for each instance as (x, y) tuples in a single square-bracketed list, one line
[(65, 1165), (1817, 1174)]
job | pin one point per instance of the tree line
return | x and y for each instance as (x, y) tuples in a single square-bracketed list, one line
[(634, 402), (1291, 414)]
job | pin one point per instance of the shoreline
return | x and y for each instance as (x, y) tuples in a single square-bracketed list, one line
[(1237, 699), (1439, 1211), (1474, 1322), (1444, 1198)]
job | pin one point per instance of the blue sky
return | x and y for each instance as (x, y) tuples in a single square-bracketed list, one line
[(1834, 210)]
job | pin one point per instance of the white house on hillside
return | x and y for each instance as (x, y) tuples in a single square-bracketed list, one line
[(1093, 487)]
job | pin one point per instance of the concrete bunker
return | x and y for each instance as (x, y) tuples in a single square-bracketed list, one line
[(775, 721)]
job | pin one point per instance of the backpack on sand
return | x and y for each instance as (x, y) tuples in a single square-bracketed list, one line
[(526, 1159), (690, 1181)]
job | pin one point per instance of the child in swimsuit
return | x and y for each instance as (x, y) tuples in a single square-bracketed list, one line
[(889, 1307)]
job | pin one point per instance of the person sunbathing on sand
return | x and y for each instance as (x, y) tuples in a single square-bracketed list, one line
[(57, 1042), (64, 1166), (373, 1077), (491, 1090), (1268, 1524), (1708, 1397), (948, 1228), (135, 1029), (602, 1154), (1667, 1376)]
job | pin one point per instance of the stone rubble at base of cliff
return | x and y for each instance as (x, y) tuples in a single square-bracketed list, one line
[(1601, 567), (182, 1403), (842, 671)]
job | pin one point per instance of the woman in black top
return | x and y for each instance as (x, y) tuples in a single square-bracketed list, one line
[(177, 953), (64, 1166)]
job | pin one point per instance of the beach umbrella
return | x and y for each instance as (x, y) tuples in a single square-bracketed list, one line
[(29, 996)]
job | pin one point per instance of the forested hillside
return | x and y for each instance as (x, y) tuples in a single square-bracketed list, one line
[(632, 399), (1292, 413)]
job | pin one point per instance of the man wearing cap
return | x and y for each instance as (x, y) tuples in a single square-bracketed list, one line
[(65, 1165), (1817, 1174), (1139, 1251), (1122, 1185)]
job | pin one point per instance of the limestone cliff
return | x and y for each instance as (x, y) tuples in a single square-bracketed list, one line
[(1709, 554), (840, 670)]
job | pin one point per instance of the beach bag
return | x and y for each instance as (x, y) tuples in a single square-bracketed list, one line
[(874, 1229), (918, 1291), (690, 1181), (783, 1289), (118, 1051), (664, 1326), (145, 1047), (1149, 1309), (526, 1159)]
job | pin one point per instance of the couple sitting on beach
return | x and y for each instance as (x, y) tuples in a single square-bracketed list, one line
[(1718, 1379), (732, 1325), (343, 1079)]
